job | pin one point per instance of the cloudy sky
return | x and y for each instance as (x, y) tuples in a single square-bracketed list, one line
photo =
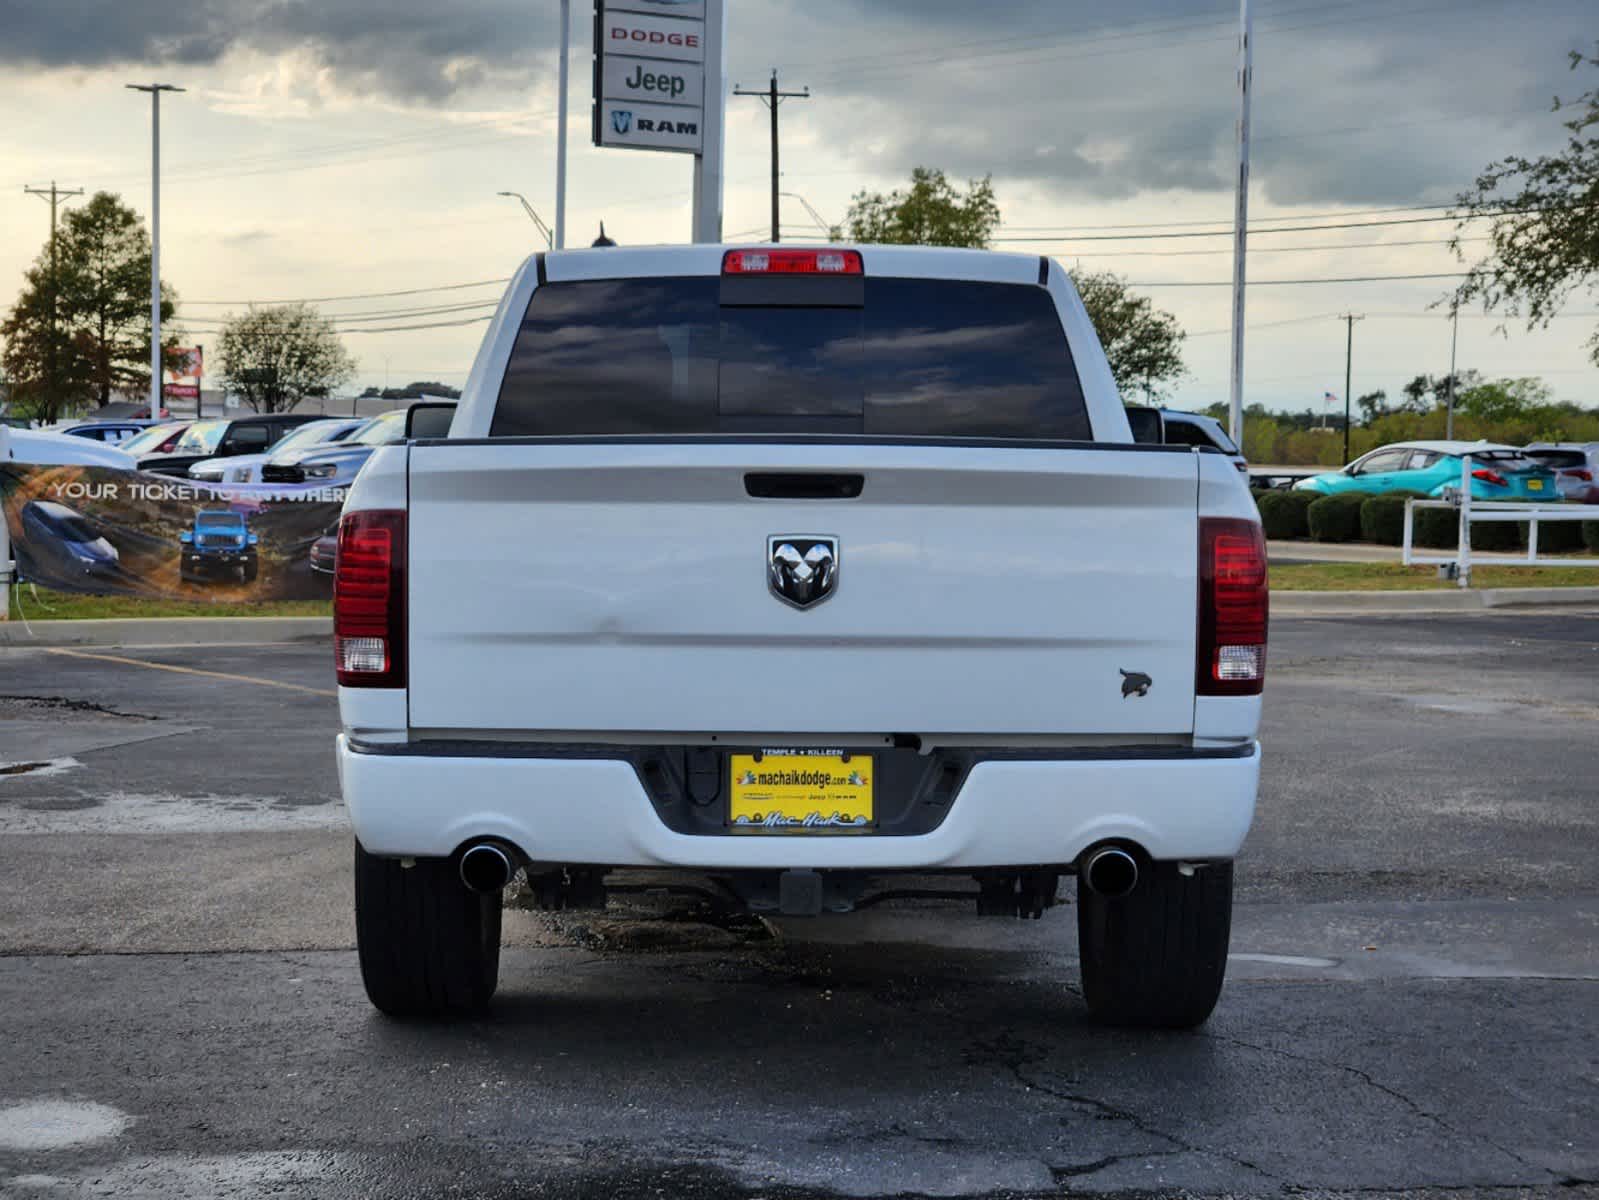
[(343, 148)]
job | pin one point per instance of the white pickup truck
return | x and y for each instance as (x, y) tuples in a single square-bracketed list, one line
[(798, 570)]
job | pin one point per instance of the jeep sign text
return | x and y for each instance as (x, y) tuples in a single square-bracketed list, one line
[(648, 81)]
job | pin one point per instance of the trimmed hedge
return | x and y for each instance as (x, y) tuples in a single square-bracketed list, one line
[(1590, 535), (1437, 528), (1336, 518), (1382, 518), (1283, 513), (1555, 537)]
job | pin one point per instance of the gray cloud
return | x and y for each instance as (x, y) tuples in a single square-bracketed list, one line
[(403, 48), (1353, 103)]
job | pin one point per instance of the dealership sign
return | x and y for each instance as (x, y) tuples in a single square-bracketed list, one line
[(650, 75)]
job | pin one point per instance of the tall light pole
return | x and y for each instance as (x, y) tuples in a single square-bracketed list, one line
[(549, 237), (1246, 63), (560, 133), (824, 226), (155, 90), (1454, 342), (1349, 366)]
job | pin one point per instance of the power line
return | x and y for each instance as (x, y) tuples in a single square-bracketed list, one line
[(1136, 237), (1331, 247), (1286, 282), (442, 287), (1344, 212)]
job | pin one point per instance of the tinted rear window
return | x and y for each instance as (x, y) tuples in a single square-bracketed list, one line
[(1559, 460), (920, 358)]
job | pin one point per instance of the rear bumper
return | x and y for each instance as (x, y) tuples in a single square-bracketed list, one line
[(595, 811)]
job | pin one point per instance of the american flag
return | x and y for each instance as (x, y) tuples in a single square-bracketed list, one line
[(1329, 398)]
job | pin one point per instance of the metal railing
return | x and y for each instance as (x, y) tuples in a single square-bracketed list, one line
[(1485, 511)]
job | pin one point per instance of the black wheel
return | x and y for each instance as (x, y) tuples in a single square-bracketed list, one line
[(1157, 957), (428, 946)]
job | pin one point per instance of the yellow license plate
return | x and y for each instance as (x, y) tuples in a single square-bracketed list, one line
[(1535, 485), (802, 791)]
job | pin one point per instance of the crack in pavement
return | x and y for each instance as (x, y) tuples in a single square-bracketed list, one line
[(1012, 1054), (1366, 1078)]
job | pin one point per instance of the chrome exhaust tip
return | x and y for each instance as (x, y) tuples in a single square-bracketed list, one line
[(1111, 872), (486, 867)]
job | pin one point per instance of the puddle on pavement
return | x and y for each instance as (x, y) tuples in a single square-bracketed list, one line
[(131, 812), (58, 1124)]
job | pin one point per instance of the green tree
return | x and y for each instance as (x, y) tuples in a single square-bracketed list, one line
[(933, 212), (80, 334), (1503, 400), (1144, 344), (1372, 405), (274, 357), (1544, 237)]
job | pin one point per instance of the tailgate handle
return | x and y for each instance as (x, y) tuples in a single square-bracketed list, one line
[(803, 485)]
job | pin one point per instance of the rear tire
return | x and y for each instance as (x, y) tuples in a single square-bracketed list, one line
[(429, 947), (1156, 957)]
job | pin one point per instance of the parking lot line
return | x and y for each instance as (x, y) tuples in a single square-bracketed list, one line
[(154, 666)]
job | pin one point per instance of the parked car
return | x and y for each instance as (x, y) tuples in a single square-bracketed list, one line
[(158, 439), (111, 432), (39, 448), (223, 438), (59, 544), (1576, 468), (1433, 468), (246, 468), (219, 544), (338, 465), (806, 569), (1196, 429)]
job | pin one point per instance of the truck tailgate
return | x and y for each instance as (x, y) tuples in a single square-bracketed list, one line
[(613, 587)]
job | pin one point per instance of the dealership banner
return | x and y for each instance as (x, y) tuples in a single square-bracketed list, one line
[(116, 532)]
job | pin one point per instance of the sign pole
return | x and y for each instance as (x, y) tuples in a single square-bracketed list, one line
[(1246, 60), (560, 135), (708, 178)]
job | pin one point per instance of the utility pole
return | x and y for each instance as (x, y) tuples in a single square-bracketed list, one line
[(56, 195), (1349, 363), (1454, 342), (1246, 71), (773, 98), (155, 90)]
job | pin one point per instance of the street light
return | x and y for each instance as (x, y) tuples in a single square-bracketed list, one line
[(549, 235), (827, 230), (155, 90)]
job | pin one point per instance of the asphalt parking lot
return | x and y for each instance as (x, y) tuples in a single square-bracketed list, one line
[(1411, 1006)]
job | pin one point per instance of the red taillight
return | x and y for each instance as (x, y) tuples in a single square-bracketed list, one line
[(792, 262), (1487, 476), (1232, 608), (1579, 473), (369, 600)]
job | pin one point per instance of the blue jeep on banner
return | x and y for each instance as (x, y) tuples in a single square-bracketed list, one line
[(220, 545)]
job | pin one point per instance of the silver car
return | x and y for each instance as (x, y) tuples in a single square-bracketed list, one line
[(1576, 468), (246, 468)]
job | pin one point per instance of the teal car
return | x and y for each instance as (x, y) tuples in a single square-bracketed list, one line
[(1433, 468)]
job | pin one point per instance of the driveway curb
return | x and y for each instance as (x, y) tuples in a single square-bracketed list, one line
[(168, 631), (1310, 604)]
